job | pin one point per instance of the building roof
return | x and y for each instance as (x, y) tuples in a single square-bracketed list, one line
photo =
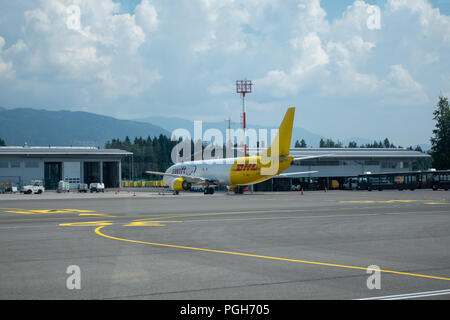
[(358, 153), (60, 151)]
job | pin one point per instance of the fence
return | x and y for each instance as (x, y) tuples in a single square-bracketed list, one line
[(143, 184)]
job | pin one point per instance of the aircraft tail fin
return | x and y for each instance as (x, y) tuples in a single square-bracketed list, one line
[(281, 144)]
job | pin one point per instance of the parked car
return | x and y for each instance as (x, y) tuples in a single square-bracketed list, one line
[(36, 187), (83, 187), (97, 187)]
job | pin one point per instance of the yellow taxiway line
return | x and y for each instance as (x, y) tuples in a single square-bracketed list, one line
[(98, 232)]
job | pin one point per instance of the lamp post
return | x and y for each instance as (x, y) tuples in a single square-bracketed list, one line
[(243, 87)]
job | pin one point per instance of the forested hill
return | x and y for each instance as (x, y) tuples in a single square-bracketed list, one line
[(68, 128)]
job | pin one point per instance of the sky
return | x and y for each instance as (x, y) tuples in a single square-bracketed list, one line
[(348, 73)]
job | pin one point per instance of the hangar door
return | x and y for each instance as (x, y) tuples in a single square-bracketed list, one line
[(91, 172), (72, 174), (52, 175), (111, 174)]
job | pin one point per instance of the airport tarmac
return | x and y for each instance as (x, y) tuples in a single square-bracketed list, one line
[(280, 245)]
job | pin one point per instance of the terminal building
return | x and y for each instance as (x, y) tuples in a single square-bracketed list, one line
[(338, 164), (19, 166)]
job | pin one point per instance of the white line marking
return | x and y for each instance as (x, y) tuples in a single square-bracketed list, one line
[(304, 217), (411, 295), (279, 218), (24, 227)]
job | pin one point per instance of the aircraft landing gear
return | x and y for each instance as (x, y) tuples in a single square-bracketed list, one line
[(239, 190), (209, 190)]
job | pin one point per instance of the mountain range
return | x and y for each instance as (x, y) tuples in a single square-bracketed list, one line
[(311, 139), (67, 128), (76, 128)]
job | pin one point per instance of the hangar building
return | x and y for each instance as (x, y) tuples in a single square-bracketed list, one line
[(340, 164), (20, 165)]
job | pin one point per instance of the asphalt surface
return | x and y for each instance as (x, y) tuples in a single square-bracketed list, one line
[(253, 246)]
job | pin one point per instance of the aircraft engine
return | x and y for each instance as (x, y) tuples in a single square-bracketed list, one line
[(180, 185)]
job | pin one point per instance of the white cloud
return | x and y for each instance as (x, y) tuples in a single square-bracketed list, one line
[(146, 16), (217, 89), (430, 19), (103, 54), (312, 55), (402, 89), (167, 57), (16, 48), (336, 57), (6, 68)]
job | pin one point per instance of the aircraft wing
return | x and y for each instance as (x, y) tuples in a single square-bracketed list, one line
[(312, 157), (189, 178), (295, 173)]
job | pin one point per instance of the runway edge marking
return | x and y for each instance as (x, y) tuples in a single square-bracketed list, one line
[(98, 232)]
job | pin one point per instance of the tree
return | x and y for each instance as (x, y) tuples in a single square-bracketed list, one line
[(322, 143), (352, 144), (440, 149), (150, 154), (2, 142), (301, 144), (330, 144)]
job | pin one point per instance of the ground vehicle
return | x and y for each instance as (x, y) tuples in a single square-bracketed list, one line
[(399, 181), (4, 187), (411, 180), (36, 187), (83, 187), (63, 187), (351, 184), (97, 187), (441, 180), (9, 189)]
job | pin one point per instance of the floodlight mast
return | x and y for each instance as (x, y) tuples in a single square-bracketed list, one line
[(243, 87)]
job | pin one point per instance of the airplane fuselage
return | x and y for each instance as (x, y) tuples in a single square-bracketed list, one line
[(231, 171)]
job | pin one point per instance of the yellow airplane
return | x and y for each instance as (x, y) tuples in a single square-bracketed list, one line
[(237, 173)]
